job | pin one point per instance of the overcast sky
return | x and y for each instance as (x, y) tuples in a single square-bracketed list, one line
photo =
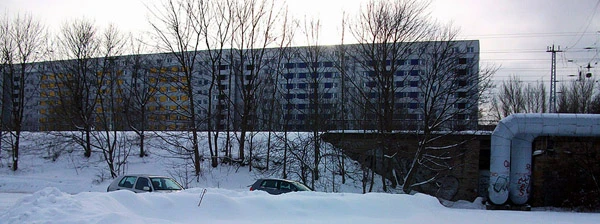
[(513, 34)]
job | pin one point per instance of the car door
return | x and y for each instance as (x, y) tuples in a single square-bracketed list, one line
[(142, 185), (126, 183), (285, 187), (270, 186)]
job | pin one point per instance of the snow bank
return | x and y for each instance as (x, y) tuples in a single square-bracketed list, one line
[(228, 206)]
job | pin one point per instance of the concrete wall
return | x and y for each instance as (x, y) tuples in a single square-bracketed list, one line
[(459, 183)]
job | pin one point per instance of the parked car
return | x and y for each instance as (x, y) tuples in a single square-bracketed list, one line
[(144, 183), (278, 186)]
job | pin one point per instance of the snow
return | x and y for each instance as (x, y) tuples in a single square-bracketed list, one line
[(72, 189), (51, 205)]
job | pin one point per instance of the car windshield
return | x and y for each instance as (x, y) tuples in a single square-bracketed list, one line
[(164, 183), (301, 187)]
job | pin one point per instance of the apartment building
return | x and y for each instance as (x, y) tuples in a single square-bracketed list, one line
[(296, 89)]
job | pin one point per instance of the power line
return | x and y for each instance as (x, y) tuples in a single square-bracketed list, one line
[(595, 9), (526, 35)]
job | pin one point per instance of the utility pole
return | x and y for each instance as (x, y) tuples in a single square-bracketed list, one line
[(553, 78)]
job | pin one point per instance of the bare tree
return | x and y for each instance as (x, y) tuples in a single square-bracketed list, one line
[(75, 80), (253, 30), (178, 33), (272, 111), (21, 39), (514, 97), (318, 86), (109, 111), (576, 96), (216, 22), (139, 91), (450, 87), (388, 33)]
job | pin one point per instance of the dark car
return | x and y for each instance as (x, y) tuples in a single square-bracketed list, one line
[(144, 183), (278, 186)]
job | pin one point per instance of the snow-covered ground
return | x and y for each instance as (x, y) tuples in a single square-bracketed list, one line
[(72, 189), (51, 205)]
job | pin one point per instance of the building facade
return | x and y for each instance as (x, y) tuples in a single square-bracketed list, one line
[(295, 89)]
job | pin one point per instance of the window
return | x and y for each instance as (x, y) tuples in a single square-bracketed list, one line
[(269, 184), (328, 85), (413, 94), (399, 83), (456, 50), (301, 106), (301, 65), (370, 84), (327, 95), (127, 182), (289, 65), (414, 72), (462, 116), (300, 117), (314, 75), (328, 75), (289, 75), (462, 61), (289, 86), (301, 75), (400, 94), (414, 62), (413, 105), (285, 186), (414, 83), (289, 96), (400, 73), (141, 183), (302, 85), (327, 64), (301, 96), (470, 49), (370, 74)]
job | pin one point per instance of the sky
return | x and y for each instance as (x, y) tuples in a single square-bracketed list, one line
[(513, 34)]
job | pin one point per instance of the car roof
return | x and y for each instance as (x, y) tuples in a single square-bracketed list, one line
[(144, 175), (279, 179)]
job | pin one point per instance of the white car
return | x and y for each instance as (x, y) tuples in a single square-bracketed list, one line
[(144, 183)]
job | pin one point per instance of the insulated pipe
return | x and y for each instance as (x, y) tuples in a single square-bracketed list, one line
[(510, 159), (520, 168)]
